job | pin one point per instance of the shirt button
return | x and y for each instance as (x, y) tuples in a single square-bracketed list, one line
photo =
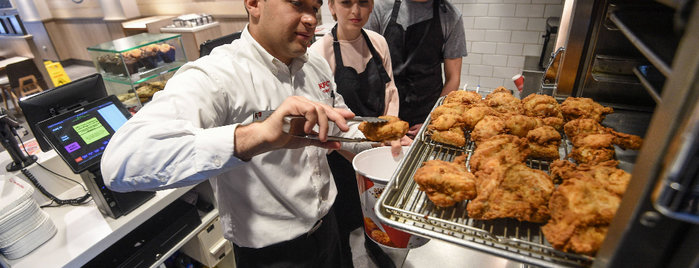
[(162, 178), (217, 162)]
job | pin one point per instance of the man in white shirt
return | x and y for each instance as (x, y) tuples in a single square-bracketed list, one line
[(274, 191)]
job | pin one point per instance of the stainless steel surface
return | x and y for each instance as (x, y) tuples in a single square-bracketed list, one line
[(678, 190), (293, 125), (616, 69), (368, 119), (631, 240), (533, 74), (653, 48), (578, 36), (651, 79), (404, 207), (606, 68)]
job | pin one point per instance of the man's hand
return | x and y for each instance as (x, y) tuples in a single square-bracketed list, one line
[(257, 138)]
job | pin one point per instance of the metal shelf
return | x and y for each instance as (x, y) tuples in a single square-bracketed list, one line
[(141, 77), (651, 31), (651, 79)]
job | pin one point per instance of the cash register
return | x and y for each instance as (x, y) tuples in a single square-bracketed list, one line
[(77, 120)]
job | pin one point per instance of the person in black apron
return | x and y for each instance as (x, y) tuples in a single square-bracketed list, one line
[(365, 94), (416, 54)]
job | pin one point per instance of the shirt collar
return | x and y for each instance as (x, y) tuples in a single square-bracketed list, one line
[(272, 63)]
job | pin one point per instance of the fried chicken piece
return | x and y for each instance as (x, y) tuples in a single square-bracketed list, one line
[(584, 205), (554, 122), (520, 125), (582, 127), (512, 191), (454, 136), (447, 121), (613, 179), (627, 141), (498, 150), (464, 97), (461, 160), (475, 115), (579, 108), (489, 127), (448, 108), (592, 148), (503, 101), (394, 129), (445, 183), (544, 142), (541, 106)]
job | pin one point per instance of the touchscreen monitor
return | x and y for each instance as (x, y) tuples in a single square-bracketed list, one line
[(80, 135)]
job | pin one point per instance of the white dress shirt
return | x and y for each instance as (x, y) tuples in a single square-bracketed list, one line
[(185, 136)]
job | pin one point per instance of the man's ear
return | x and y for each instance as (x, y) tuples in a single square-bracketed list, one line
[(253, 7)]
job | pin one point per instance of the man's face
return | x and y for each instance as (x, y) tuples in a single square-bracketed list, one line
[(286, 27)]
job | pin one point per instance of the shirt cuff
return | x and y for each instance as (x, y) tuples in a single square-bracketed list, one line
[(214, 148)]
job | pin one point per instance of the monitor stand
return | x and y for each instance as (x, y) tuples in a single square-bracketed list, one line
[(110, 203)]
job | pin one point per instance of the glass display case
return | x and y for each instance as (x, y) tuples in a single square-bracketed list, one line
[(135, 67)]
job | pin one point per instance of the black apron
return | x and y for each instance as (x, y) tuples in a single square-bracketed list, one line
[(416, 55), (365, 95)]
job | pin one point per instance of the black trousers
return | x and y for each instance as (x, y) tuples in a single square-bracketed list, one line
[(347, 203), (319, 249)]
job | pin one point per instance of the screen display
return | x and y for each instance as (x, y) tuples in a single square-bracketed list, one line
[(80, 136)]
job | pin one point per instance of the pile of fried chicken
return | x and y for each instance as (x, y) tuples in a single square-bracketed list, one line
[(508, 131)]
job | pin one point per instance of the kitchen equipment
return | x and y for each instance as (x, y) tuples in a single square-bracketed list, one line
[(404, 207), (552, 24)]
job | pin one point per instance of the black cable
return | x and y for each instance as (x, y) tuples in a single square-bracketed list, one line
[(74, 201), (42, 166)]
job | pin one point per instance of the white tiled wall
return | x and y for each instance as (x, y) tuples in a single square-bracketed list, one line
[(499, 33)]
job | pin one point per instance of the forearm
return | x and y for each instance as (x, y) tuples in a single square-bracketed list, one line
[(452, 75), (249, 142)]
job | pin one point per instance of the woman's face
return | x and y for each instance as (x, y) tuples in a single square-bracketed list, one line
[(351, 14)]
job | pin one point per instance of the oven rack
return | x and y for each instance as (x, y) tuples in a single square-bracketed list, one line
[(404, 207)]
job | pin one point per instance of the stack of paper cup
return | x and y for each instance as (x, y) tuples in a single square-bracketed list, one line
[(23, 225)]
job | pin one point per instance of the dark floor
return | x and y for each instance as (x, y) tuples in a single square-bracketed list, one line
[(74, 72)]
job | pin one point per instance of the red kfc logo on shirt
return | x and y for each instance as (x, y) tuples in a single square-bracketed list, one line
[(324, 86)]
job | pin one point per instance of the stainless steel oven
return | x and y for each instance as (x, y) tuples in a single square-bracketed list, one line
[(640, 57)]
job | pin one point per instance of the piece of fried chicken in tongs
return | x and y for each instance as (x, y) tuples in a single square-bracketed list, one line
[(512, 190), (584, 205), (394, 129), (445, 183)]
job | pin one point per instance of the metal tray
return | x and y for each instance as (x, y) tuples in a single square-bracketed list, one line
[(403, 206)]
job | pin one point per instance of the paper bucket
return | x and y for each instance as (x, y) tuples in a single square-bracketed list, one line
[(374, 169)]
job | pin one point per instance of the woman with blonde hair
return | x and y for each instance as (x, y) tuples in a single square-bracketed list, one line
[(361, 62)]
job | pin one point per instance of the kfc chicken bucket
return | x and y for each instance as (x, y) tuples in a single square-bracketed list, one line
[(374, 168)]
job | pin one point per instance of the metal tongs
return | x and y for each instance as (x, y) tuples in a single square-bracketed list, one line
[(293, 125)]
